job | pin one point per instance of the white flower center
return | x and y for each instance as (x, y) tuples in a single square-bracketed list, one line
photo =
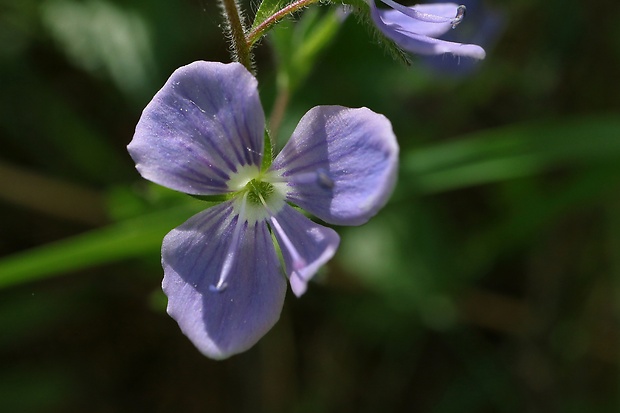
[(240, 179), (256, 196)]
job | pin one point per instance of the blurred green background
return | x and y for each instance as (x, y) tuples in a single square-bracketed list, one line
[(490, 282)]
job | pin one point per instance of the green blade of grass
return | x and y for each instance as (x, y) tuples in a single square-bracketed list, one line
[(116, 242), (512, 152)]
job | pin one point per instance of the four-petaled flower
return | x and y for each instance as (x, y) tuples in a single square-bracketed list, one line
[(415, 29), (203, 134)]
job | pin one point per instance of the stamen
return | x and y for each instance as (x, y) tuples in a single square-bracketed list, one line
[(298, 261), (230, 254), (460, 15), (321, 177), (324, 179)]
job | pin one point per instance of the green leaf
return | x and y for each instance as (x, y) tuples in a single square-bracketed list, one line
[(511, 152), (266, 9), (299, 45), (268, 153), (530, 212), (116, 242)]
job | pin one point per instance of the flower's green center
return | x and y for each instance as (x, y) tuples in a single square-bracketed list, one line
[(255, 195), (259, 189)]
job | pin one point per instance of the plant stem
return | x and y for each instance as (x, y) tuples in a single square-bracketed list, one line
[(260, 30), (277, 114), (241, 51)]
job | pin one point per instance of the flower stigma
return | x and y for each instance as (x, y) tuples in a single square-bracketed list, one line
[(259, 191), (258, 198), (460, 15)]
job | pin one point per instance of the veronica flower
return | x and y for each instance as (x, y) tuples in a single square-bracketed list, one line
[(416, 28), (203, 134)]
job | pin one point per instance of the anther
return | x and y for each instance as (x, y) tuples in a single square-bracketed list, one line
[(324, 179), (460, 15), (218, 288)]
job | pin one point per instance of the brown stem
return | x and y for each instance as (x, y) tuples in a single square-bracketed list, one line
[(277, 114), (259, 30)]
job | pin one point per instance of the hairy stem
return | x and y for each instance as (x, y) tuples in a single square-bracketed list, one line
[(236, 30), (260, 30)]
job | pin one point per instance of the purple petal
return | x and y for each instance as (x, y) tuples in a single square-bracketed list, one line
[(483, 27), (444, 13), (406, 35), (429, 13), (305, 246), (226, 320), (202, 126), (340, 164)]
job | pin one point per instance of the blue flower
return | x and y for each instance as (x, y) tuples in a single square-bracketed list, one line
[(203, 134), (416, 28)]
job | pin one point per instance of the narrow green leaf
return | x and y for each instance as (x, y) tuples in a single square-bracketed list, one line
[(298, 46), (315, 41), (511, 152), (529, 215), (113, 243)]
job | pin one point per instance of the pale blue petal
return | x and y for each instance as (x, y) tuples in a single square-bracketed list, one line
[(305, 246), (445, 13), (340, 164), (406, 36), (232, 319), (205, 123), (430, 13)]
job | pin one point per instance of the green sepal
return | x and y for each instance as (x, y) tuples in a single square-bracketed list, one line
[(361, 9), (211, 198), (268, 152)]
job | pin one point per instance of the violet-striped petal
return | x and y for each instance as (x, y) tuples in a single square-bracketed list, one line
[(203, 125), (305, 246), (405, 34), (432, 13), (340, 164), (230, 319), (441, 16)]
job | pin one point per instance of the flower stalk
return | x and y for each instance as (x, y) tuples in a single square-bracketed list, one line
[(236, 31)]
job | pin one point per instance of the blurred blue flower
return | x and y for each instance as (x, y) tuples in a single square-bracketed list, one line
[(203, 134), (483, 27), (416, 28)]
